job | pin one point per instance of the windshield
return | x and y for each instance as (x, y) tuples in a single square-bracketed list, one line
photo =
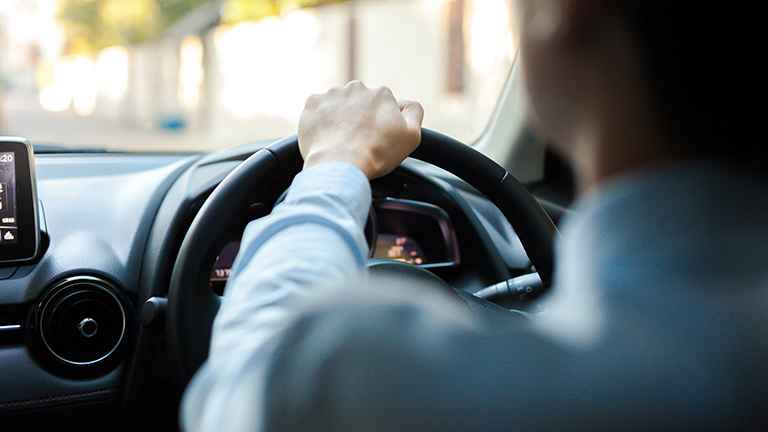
[(189, 75)]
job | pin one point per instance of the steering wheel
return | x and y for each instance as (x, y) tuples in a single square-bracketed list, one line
[(192, 304)]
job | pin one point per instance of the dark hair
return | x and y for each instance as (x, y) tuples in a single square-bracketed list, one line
[(704, 61)]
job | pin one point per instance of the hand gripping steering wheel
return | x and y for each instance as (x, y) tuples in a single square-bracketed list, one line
[(192, 304)]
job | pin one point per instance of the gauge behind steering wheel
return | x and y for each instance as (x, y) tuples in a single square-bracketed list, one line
[(192, 304)]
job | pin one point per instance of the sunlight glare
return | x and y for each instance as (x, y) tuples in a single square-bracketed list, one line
[(112, 72), (55, 98), (190, 71), (268, 65), (83, 75), (491, 41)]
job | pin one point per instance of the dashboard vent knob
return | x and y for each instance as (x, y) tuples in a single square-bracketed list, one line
[(81, 323)]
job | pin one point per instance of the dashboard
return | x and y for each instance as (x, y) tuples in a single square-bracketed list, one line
[(72, 348)]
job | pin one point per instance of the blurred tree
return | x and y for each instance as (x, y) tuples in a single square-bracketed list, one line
[(91, 25), (244, 10)]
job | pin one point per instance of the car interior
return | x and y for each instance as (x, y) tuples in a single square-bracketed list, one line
[(112, 261)]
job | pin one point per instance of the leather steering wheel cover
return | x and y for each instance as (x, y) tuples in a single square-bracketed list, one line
[(192, 304), (531, 223)]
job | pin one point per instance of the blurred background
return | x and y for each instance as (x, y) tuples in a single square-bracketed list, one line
[(190, 75)]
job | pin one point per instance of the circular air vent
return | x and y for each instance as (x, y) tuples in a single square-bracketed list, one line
[(81, 323)]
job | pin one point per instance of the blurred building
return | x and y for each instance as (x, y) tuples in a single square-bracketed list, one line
[(206, 85)]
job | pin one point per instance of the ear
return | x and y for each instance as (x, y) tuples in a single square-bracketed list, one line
[(565, 21), (584, 19), (544, 19)]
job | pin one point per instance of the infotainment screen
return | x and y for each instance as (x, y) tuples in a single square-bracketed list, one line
[(9, 228), (19, 225)]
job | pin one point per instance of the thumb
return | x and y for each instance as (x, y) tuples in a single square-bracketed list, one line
[(413, 113)]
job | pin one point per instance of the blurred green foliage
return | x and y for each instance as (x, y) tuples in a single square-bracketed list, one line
[(95, 24), (243, 10)]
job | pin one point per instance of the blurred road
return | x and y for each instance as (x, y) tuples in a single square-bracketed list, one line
[(22, 115)]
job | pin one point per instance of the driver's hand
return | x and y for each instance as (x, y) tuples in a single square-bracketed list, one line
[(368, 128)]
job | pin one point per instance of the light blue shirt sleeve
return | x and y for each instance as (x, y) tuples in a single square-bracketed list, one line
[(312, 241)]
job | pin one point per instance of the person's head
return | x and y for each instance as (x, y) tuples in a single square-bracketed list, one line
[(622, 83)]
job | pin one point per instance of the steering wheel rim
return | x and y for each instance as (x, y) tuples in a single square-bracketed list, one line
[(192, 304)]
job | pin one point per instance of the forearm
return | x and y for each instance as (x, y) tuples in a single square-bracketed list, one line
[(313, 239)]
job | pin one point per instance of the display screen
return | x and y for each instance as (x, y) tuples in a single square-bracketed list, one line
[(8, 226), (414, 232), (222, 268), (399, 248), (19, 224)]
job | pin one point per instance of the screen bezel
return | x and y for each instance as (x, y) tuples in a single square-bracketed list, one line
[(27, 219)]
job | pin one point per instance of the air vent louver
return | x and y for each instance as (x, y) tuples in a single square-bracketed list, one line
[(81, 323)]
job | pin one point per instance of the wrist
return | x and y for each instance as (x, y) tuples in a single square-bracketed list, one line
[(324, 163), (317, 158)]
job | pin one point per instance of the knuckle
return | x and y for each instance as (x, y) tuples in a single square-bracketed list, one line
[(334, 90), (384, 91), (312, 101)]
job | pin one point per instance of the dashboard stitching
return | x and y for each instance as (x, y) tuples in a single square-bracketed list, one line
[(55, 398), (26, 411)]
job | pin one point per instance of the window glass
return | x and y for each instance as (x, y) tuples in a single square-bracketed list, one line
[(177, 75)]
